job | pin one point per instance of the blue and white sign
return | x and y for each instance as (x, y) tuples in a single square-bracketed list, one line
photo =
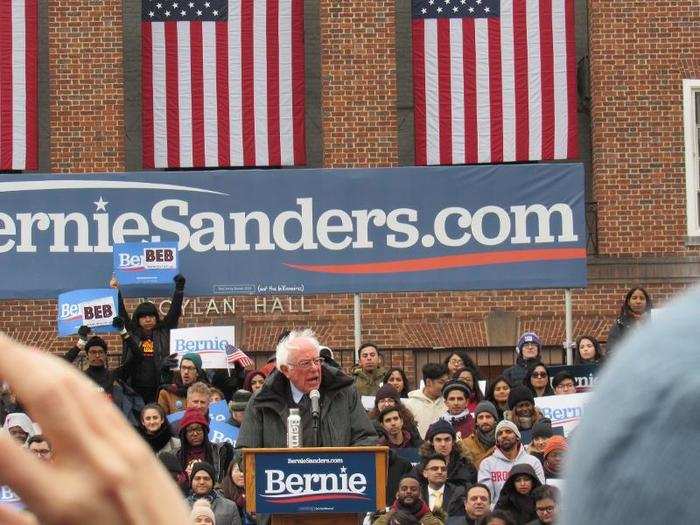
[(293, 482), (94, 308), (302, 231), (210, 342), (145, 262), (565, 410), (9, 498), (219, 430)]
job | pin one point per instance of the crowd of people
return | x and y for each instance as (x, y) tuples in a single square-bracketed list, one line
[(481, 458)]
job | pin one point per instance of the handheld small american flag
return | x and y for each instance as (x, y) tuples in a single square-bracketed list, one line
[(236, 355), (494, 81)]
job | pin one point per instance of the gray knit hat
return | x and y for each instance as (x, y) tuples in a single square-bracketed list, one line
[(486, 406)]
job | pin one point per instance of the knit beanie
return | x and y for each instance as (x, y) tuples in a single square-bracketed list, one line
[(528, 337), (200, 509), (96, 341), (519, 393), (455, 384), (542, 429), (486, 406), (509, 425), (193, 416), (202, 465), (195, 358), (239, 401), (555, 443), (386, 391), (440, 427)]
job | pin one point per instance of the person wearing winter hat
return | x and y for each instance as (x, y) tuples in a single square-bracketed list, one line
[(202, 513), (522, 411), (441, 439), (527, 351), (553, 454), (237, 406), (152, 338), (174, 396), (387, 396), (509, 451), (456, 395), (482, 440), (541, 432), (202, 480)]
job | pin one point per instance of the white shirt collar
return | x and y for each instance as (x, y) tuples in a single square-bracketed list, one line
[(296, 393)]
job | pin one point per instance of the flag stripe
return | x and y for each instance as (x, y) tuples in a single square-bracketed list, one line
[(547, 67), (508, 81), (160, 128), (19, 88), (298, 83), (571, 114), (483, 116), (222, 97), (209, 100), (273, 113), (286, 83), (31, 61), (419, 112), (6, 85), (534, 82), (248, 104), (457, 102), (147, 94), (444, 90), (432, 111), (185, 94), (197, 73), (469, 59), (235, 83), (260, 80), (495, 90)]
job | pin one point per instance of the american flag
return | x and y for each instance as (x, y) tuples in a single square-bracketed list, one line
[(18, 84), (223, 83), (234, 355), (494, 81)]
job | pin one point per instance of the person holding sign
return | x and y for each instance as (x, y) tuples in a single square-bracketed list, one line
[(152, 338)]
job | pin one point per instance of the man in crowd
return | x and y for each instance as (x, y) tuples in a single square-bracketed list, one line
[(440, 439), (395, 436), (427, 405), (481, 442), (435, 490), (198, 397), (523, 411), (477, 503), (408, 500), (546, 505), (527, 353), (342, 420), (368, 374), (202, 482), (494, 469), (564, 383), (237, 407), (456, 393), (173, 397), (39, 446)]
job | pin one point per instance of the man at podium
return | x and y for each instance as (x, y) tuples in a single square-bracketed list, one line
[(336, 418)]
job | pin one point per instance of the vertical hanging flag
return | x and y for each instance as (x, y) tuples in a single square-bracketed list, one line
[(18, 84), (223, 83), (494, 81)]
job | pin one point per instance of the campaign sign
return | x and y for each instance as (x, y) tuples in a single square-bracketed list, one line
[(8, 497), (585, 376), (207, 341), (564, 411), (293, 482), (145, 262), (94, 308), (219, 430)]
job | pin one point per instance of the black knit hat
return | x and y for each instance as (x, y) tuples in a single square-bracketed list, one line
[(519, 393), (239, 400), (386, 391), (440, 427), (96, 341), (203, 465), (456, 384), (542, 429)]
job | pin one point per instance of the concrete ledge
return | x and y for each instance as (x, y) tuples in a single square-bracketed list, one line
[(608, 270)]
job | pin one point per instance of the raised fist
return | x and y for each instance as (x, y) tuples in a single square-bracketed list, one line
[(83, 332), (118, 323), (179, 281)]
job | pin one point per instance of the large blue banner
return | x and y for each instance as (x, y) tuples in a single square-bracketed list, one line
[(302, 231)]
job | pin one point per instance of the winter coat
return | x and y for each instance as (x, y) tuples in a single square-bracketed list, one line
[(429, 518), (225, 510), (515, 375), (425, 410), (161, 441), (452, 497), (460, 470), (525, 433), (521, 506), (494, 469), (170, 401), (477, 449), (620, 328), (409, 441), (398, 466), (343, 420), (463, 425), (368, 384)]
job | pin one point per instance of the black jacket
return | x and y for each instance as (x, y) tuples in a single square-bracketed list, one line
[(522, 507), (452, 499)]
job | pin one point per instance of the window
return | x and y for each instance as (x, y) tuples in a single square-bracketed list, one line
[(691, 118)]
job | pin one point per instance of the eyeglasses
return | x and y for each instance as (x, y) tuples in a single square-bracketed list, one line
[(540, 375), (308, 363), (195, 430), (188, 368), (545, 509)]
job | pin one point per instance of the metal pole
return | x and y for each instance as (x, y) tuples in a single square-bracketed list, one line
[(357, 313), (569, 326)]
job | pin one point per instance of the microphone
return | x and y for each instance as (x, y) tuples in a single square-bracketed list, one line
[(315, 397)]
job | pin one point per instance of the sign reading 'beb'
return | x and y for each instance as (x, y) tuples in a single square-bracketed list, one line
[(146, 263)]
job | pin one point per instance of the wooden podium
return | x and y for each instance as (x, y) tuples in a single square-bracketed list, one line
[(315, 486)]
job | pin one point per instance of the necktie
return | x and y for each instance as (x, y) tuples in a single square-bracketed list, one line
[(437, 503), (305, 403)]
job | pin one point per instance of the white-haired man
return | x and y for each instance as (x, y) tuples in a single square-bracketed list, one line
[(300, 369)]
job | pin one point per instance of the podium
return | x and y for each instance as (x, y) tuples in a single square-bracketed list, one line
[(315, 486)]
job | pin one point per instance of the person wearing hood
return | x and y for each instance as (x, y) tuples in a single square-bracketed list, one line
[(368, 374), (173, 397), (523, 411), (516, 494), (408, 500), (152, 337), (481, 442), (537, 380), (19, 426), (634, 309), (155, 430), (202, 481), (441, 439), (588, 351), (456, 394), (527, 351), (427, 404), (509, 451), (342, 419)]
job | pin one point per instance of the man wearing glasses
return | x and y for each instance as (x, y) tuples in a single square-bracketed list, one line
[(300, 369), (40, 447)]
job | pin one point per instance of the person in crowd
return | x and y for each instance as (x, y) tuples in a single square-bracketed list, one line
[(435, 490), (198, 397), (441, 439), (215, 395), (541, 432), (202, 481), (564, 383), (368, 373), (516, 494), (172, 398), (393, 434), (522, 411), (154, 428), (396, 377), (527, 352), (470, 378), (202, 513), (481, 442), (254, 380), (476, 504), (8, 402), (195, 447), (456, 393), (403, 518), (553, 455), (233, 488), (408, 500), (509, 451), (19, 426), (546, 505), (587, 351), (499, 517), (328, 358), (459, 360), (152, 337), (427, 404), (174, 468), (237, 407), (40, 446), (398, 468), (343, 420), (497, 392), (636, 306), (387, 396), (537, 380)]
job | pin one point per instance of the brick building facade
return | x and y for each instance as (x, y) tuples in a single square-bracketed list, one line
[(632, 60)]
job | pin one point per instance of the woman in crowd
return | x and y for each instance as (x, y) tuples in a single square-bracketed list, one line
[(516, 494), (154, 428), (497, 392), (386, 397), (468, 377), (587, 351), (396, 377), (233, 488), (458, 361), (636, 306), (254, 381), (537, 380)]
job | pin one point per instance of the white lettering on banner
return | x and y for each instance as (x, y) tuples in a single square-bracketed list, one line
[(220, 437), (297, 229), (208, 341), (294, 484)]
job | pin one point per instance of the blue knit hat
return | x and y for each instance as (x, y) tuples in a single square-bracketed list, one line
[(528, 337)]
